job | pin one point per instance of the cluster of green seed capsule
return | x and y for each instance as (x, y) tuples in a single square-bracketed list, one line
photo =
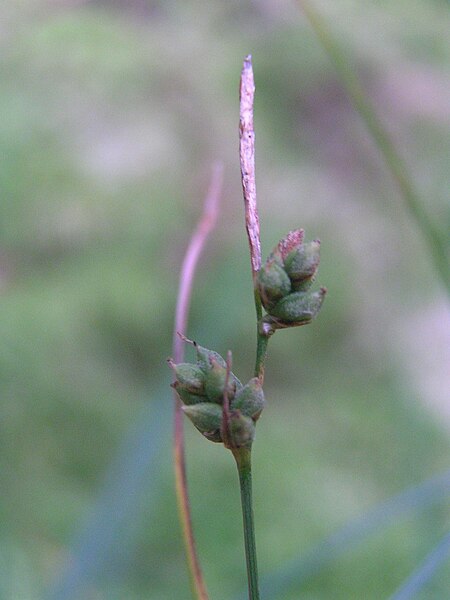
[(284, 283), (201, 388), (284, 286)]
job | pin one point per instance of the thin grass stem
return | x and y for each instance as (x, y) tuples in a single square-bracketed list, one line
[(434, 238), (244, 465), (197, 242), (247, 163)]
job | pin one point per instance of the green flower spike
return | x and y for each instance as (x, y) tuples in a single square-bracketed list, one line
[(284, 282), (201, 388)]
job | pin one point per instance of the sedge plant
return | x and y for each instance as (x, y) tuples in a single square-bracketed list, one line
[(222, 408)]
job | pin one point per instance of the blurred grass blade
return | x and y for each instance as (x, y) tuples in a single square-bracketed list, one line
[(416, 498), (425, 571), (105, 536), (436, 240), (205, 226)]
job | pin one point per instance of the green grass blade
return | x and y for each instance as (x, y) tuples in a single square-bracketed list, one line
[(425, 571), (294, 573), (105, 531), (436, 240)]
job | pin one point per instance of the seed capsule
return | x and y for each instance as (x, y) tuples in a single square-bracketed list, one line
[(205, 356), (291, 241), (250, 399), (215, 383), (189, 376), (273, 283), (241, 430), (297, 308), (206, 416), (186, 396), (302, 263)]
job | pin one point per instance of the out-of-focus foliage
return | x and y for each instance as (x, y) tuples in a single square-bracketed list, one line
[(110, 116)]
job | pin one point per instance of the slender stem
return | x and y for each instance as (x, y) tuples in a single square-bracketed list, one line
[(261, 352), (247, 162), (244, 466), (258, 303), (261, 339), (433, 236), (205, 225), (197, 583), (225, 429)]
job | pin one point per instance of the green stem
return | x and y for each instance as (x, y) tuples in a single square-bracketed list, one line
[(261, 340), (433, 236), (261, 350), (258, 303), (243, 462)]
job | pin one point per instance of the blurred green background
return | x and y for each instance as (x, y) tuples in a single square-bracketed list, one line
[(111, 114)]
